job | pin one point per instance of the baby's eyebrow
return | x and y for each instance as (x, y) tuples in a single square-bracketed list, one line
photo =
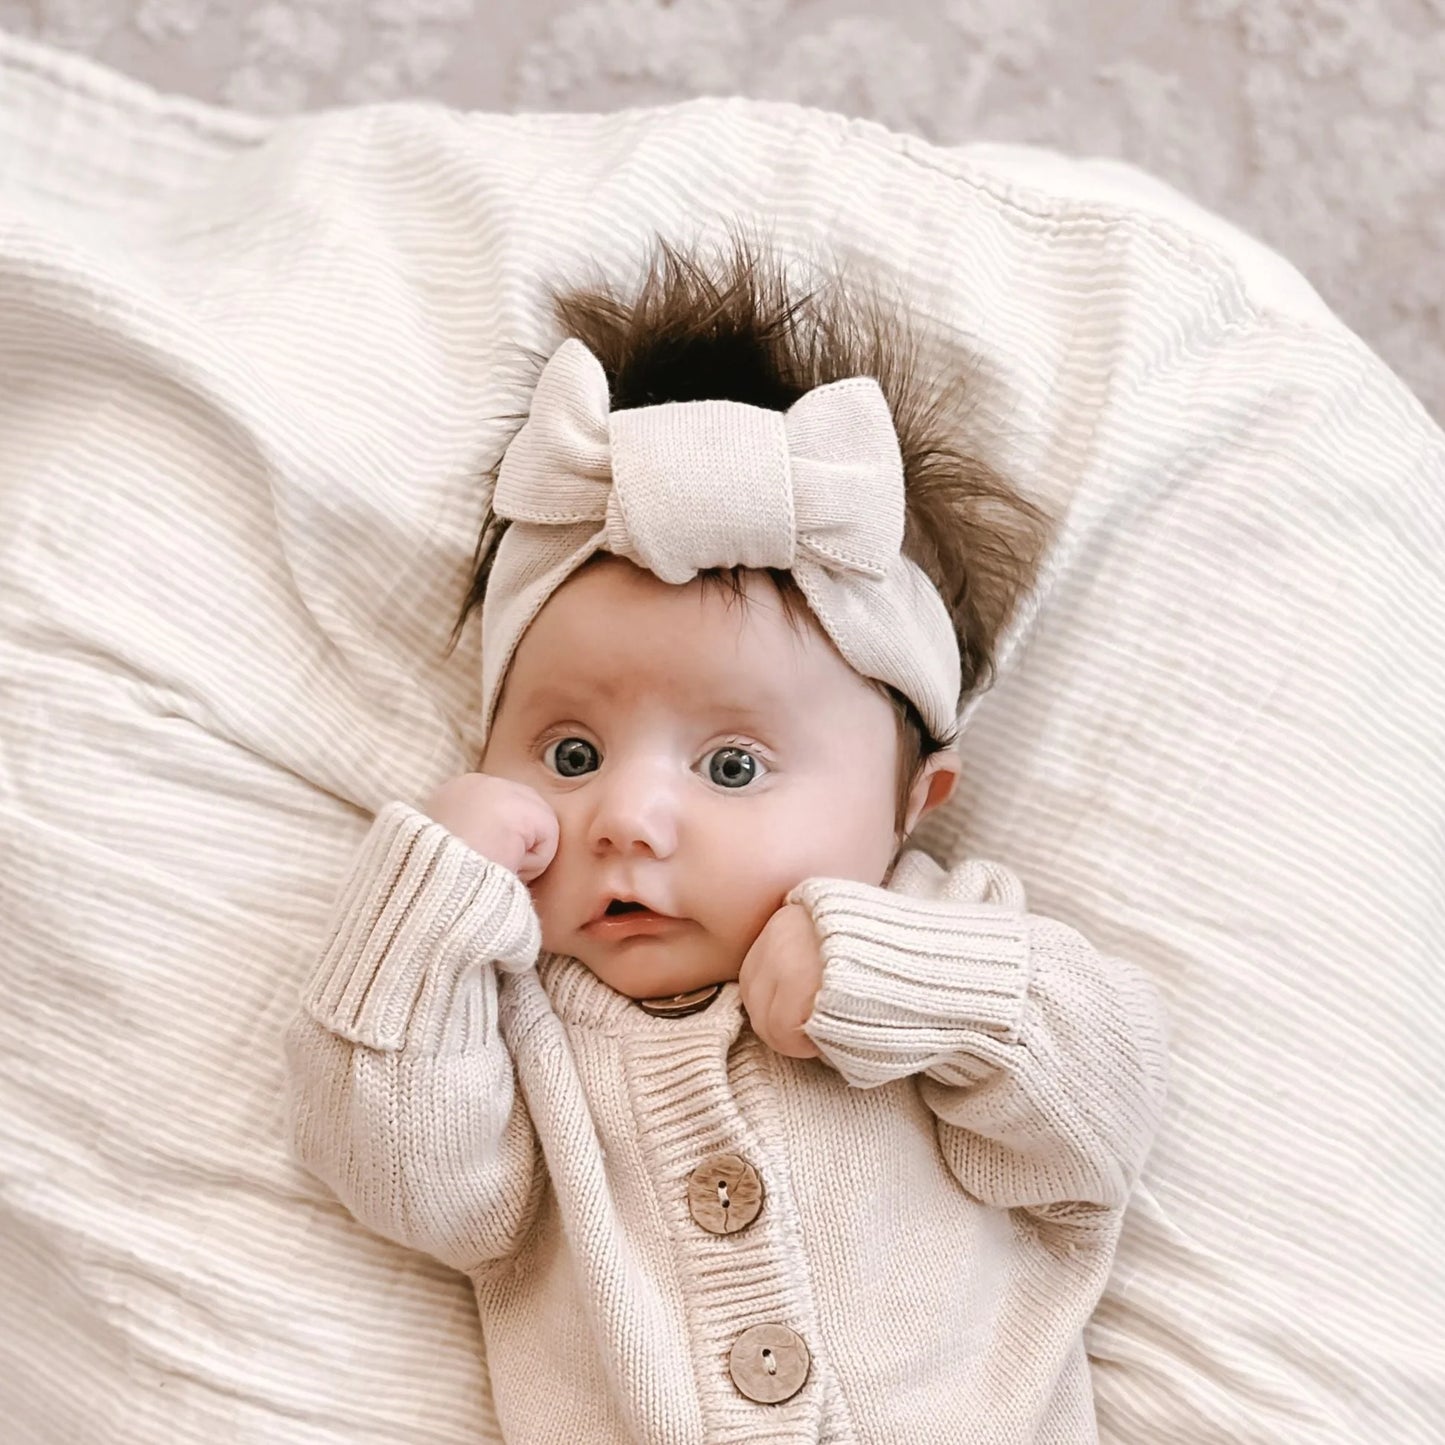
[(751, 712), (550, 697), (759, 710)]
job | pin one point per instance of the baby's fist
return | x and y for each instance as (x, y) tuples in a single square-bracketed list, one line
[(504, 821), (780, 979)]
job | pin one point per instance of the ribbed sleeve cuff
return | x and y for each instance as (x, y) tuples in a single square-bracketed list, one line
[(910, 981), (417, 908)]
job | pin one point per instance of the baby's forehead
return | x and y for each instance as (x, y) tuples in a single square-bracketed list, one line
[(615, 635)]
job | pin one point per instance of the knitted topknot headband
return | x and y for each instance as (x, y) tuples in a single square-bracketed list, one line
[(686, 486)]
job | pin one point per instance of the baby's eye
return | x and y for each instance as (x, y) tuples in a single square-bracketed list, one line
[(732, 767), (573, 756)]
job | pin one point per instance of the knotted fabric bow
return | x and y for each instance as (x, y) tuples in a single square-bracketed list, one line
[(684, 486)]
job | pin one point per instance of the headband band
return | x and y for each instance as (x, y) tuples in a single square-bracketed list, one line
[(685, 486)]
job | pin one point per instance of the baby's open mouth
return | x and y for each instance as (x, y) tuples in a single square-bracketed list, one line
[(627, 919)]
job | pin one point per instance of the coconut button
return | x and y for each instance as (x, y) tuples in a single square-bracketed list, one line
[(724, 1193), (769, 1363)]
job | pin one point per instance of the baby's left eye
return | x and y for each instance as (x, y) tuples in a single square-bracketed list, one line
[(733, 767)]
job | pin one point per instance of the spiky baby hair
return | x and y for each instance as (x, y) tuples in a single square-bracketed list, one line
[(733, 328)]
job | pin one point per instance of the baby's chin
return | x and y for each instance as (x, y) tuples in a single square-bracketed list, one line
[(652, 967)]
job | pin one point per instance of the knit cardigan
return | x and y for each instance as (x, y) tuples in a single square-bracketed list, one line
[(941, 1191)]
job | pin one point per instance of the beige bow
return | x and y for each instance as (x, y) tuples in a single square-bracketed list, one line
[(690, 485), (683, 486)]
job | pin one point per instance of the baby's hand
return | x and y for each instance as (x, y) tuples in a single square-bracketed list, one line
[(504, 821), (780, 979)]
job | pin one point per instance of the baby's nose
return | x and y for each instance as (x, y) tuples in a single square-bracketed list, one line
[(635, 815)]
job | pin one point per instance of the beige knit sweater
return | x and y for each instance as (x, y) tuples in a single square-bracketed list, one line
[(940, 1193)]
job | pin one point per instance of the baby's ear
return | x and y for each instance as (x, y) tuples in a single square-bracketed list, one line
[(933, 786)]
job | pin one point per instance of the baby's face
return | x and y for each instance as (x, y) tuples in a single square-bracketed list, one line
[(700, 756)]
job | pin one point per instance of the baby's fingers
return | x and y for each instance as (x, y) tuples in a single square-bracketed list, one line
[(757, 988), (790, 1008), (540, 836)]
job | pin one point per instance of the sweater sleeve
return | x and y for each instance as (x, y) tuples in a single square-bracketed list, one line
[(403, 1093), (1043, 1060)]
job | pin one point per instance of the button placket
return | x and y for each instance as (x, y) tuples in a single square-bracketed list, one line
[(702, 1099)]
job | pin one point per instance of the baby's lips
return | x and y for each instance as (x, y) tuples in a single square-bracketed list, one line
[(603, 907)]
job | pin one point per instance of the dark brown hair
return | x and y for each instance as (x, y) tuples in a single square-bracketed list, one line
[(734, 330)]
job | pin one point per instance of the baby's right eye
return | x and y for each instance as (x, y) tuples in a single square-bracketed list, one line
[(572, 756)]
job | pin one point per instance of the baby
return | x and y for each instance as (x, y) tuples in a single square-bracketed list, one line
[(747, 1122)]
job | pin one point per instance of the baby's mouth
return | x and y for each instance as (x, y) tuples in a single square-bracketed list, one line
[(624, 917)]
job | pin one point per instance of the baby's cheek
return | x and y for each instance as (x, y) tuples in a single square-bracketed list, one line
[(739, 925), (547, 916)]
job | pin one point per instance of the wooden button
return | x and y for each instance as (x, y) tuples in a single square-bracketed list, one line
[(680, 1004), (769, 1363), (724, 1193)]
